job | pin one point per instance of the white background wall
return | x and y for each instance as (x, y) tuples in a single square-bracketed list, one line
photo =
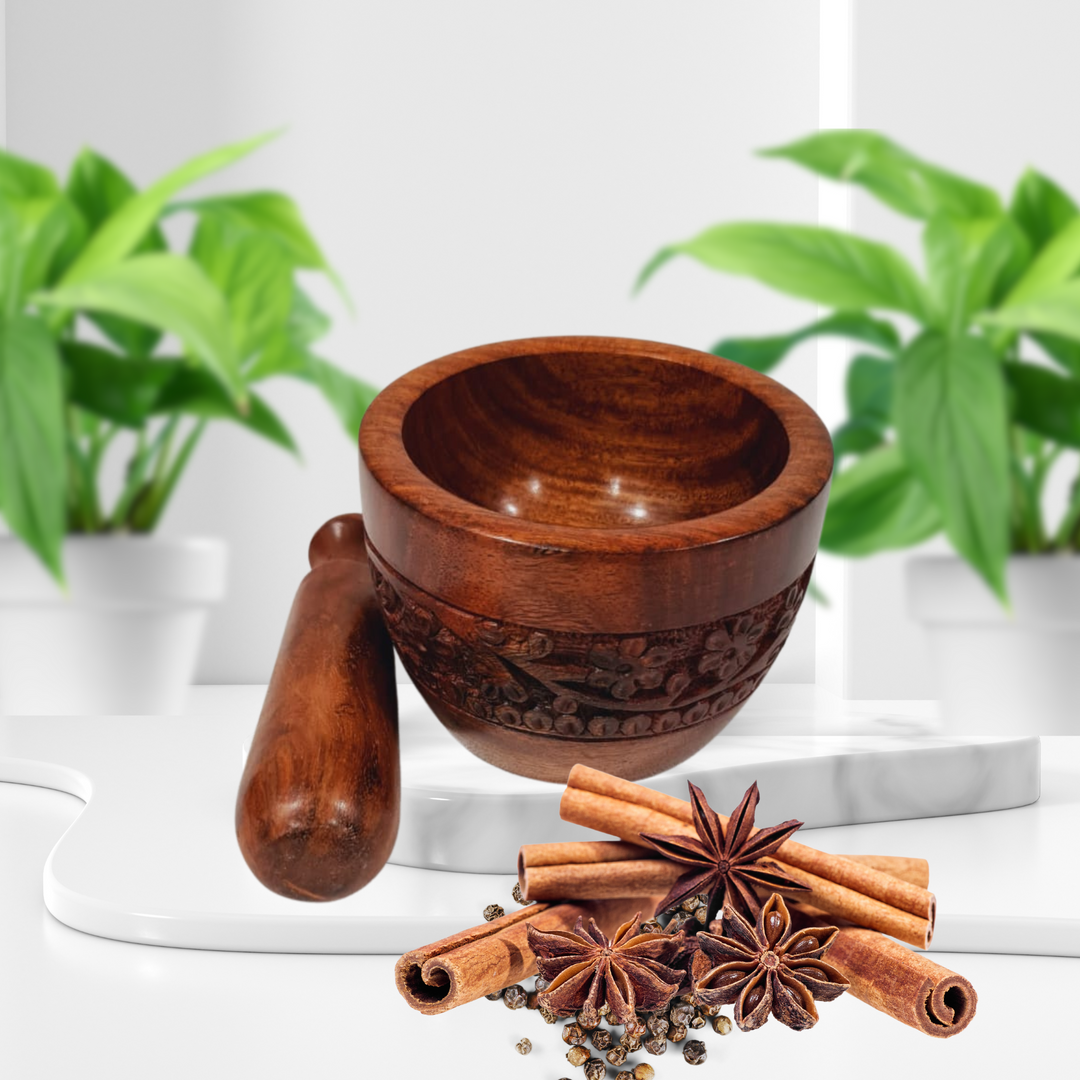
[(483, 170)]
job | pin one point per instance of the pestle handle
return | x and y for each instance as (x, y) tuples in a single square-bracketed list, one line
[(317, 810)]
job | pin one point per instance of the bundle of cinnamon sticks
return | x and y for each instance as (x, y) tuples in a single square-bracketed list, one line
[(871, 899)]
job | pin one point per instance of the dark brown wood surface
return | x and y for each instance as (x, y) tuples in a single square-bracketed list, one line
[(590, 549), (318, 805), (594, 484)]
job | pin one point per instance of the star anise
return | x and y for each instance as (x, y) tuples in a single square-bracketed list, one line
[(629, 972), (726, 863), (766, 967)]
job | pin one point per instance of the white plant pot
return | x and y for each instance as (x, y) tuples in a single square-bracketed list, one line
[(1000, 672), (125, 637)]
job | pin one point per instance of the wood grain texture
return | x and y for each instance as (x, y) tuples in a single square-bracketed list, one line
[(317, 810), (590, 540)]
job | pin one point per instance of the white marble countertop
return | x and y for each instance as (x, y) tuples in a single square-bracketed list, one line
[(74, 1004)]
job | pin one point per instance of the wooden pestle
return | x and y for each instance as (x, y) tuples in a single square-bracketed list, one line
[(317, 810)]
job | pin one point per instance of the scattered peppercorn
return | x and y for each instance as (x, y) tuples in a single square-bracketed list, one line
[(682, 1013), (595, 1069), (676, 1033), (617, 1055), (516, 894), (721, 1025), (651, 926), (694, 1052), (702, 915), (523, 1047), (515, 997), (574, 1034), (493, 911), (635, 1026), (549, 1015), (678, 921), (630, 1043), (689, 904), (697, 1021), (711, 1010), (625, 1075), (494, 997), (658, 1024), (656, 1045), (644, 1071), (577, 1055), (601, 1038), (541, 984)]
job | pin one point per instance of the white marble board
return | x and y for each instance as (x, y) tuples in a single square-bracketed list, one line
[(153, 857)]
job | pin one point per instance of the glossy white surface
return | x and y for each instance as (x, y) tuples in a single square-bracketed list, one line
[(76, 1005), (153, 857)]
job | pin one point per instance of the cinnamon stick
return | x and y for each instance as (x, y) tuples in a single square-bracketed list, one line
[(483, 959), (842, 887), (905, 985), (914, 871)]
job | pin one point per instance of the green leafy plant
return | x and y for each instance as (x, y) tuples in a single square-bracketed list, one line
[(954, 426), (105, 330)]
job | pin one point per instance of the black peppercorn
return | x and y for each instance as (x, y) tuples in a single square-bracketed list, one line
[(656, 1045), (494, 997), (681, 1013), (658, 1024), (678, 921), (722, 1025), (523, 1047), (595, 1069), (630, 1043), (492, 912), (574, 1034), (601, 1038), (676, 1033), (694, 1052), (515, 997), (617, 1055), (550, 1016), (651, 926), (541, 984), (518, 898), (635, 1025), (577, 1055), (697, 1020)]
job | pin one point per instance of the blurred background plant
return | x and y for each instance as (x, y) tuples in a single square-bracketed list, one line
[(105, 330), (971, 391)]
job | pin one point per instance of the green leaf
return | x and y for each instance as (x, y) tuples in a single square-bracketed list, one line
[(254, 276), (33, 471), (349, 397), (1040, 208), (168, 292), (829, 267), (286, 351), (1064, 351), (99, 189), (869, 387), (1056, 263), (193, 392), (877, 504), (964, 262), (22, 179), (117, 388), (952, 423), (856, 436), (763, 354), (1045, 402), (126, 227), (268, 213), (898, 178), (1055, 311)]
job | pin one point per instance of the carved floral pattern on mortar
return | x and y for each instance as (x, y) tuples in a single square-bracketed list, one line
[(570, 684)]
